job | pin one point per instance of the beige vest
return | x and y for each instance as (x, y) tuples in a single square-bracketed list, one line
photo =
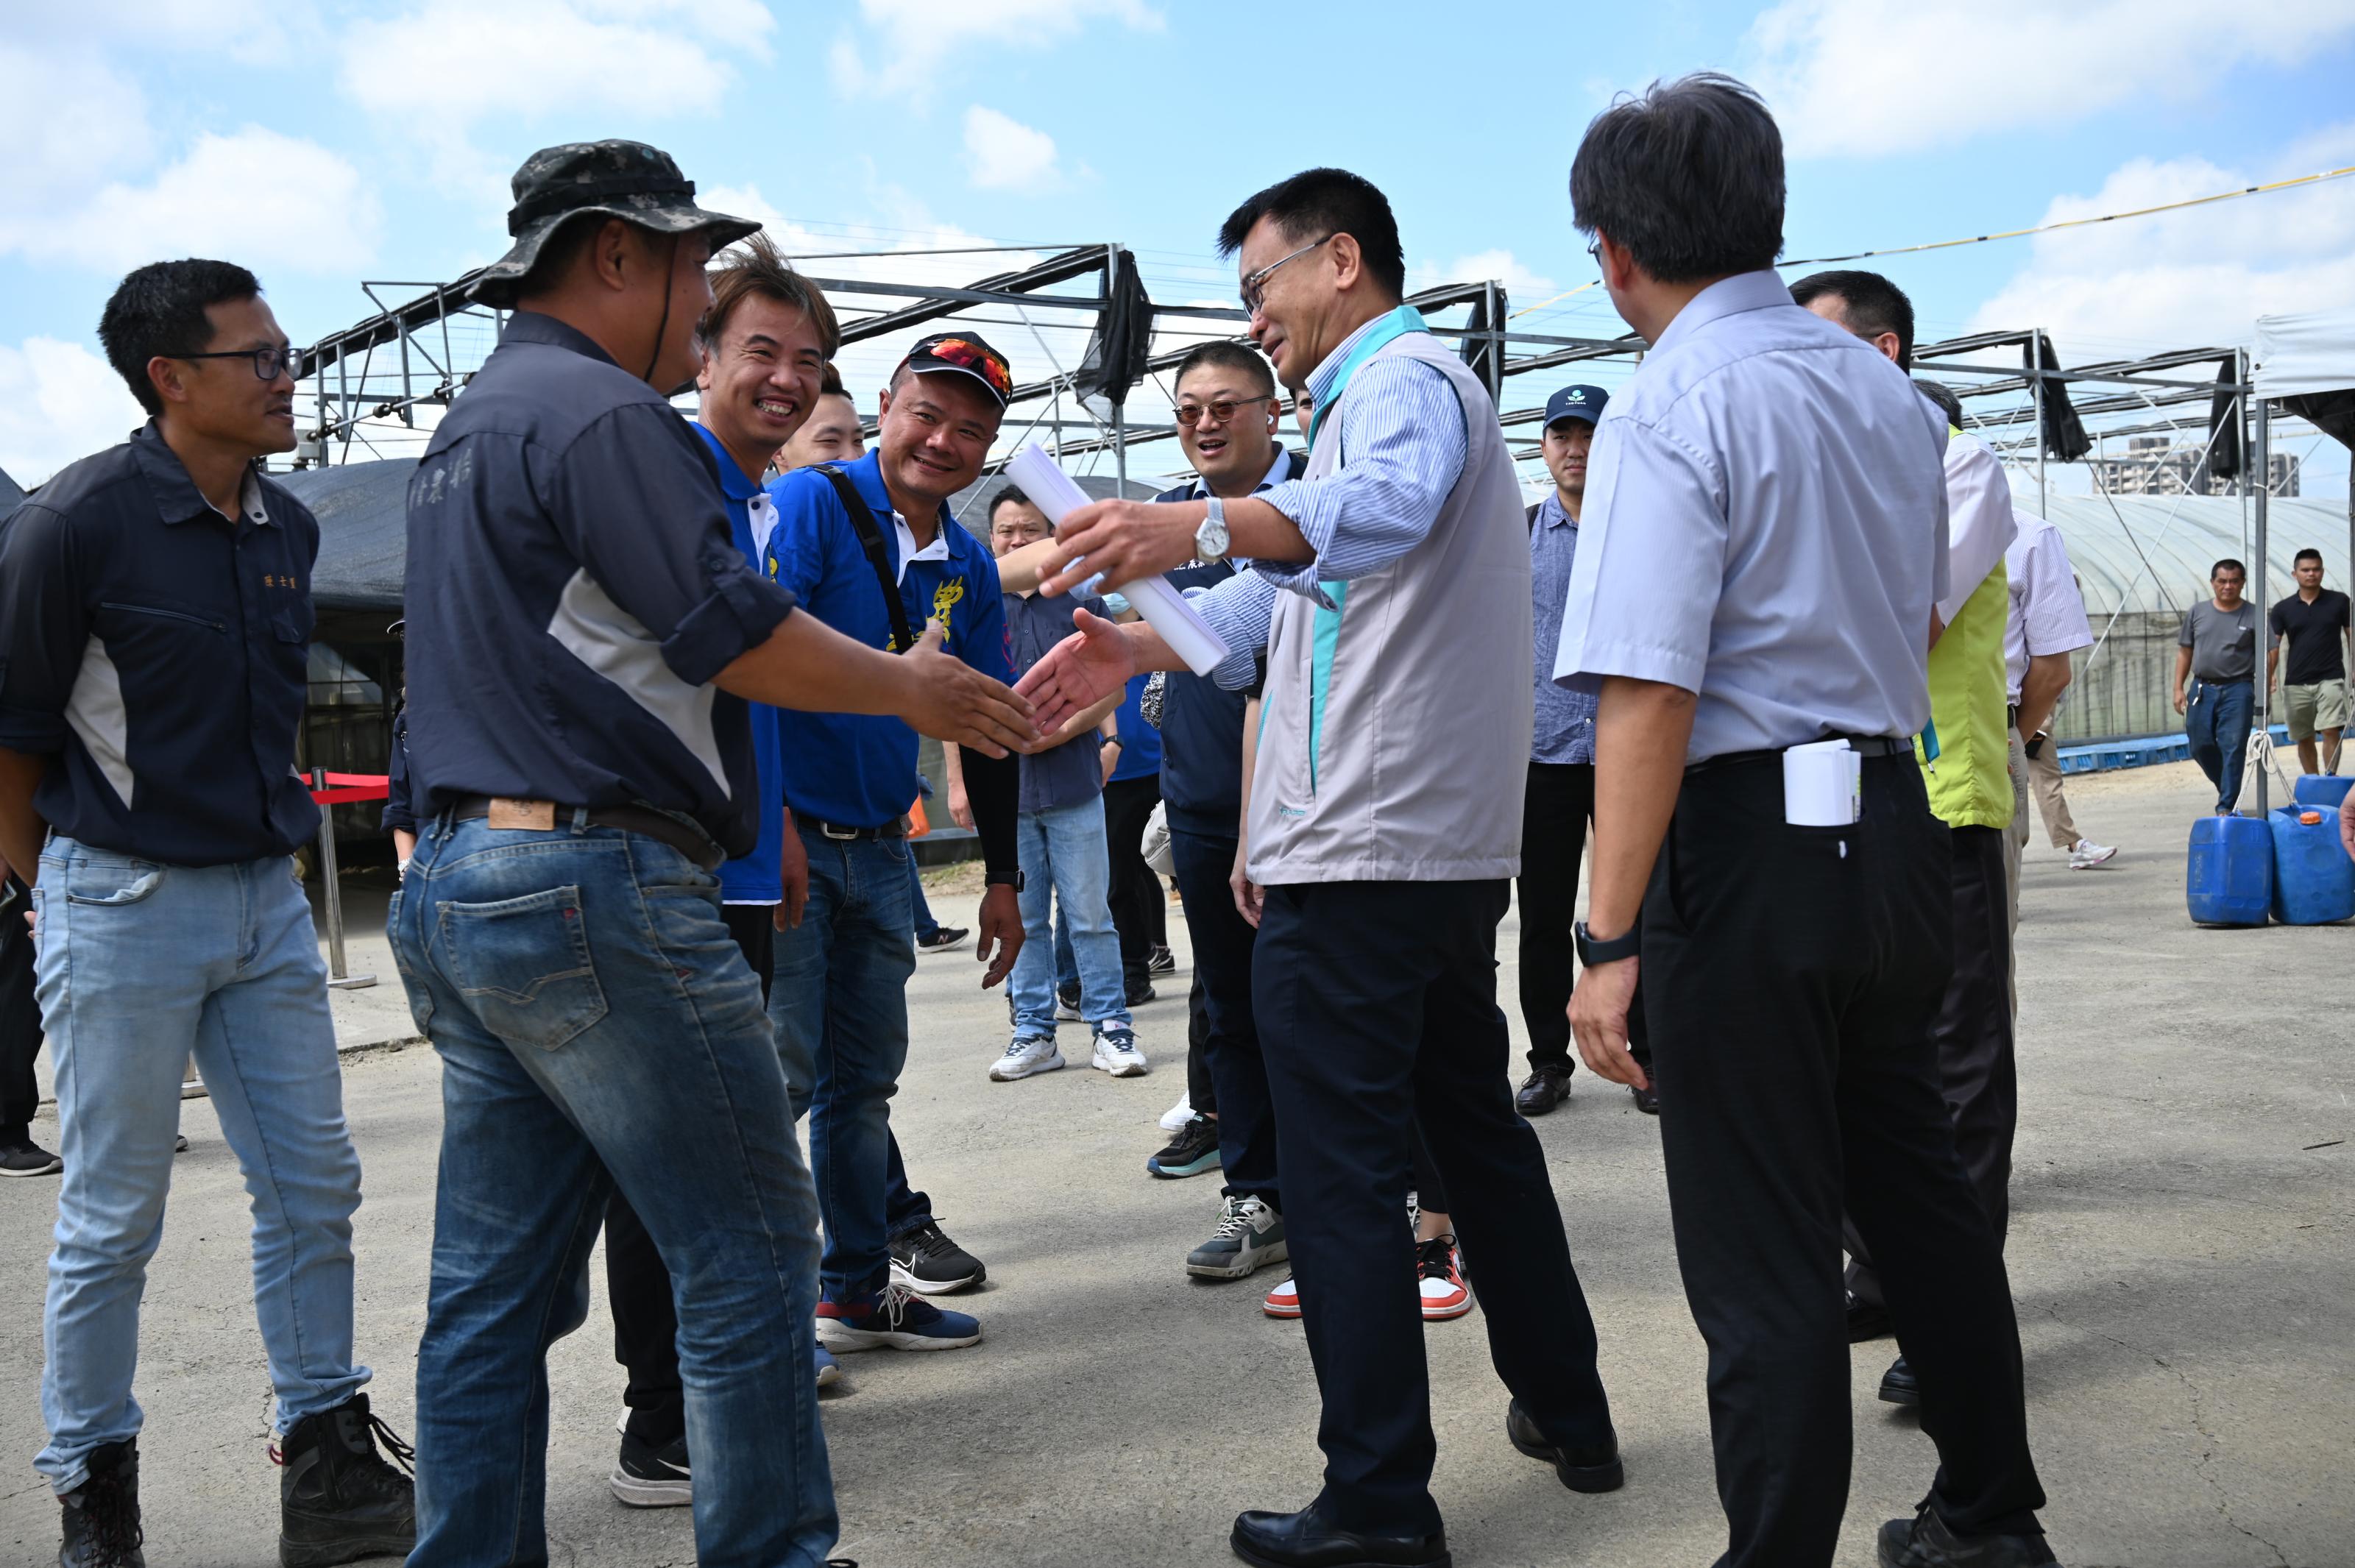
[(1394, 741)]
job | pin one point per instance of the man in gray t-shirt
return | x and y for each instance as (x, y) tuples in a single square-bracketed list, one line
[(2216, 655)]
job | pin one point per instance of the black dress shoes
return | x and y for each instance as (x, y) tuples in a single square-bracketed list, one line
[(1590, 1469), (1307, 1539), (1542, 1090), (1925, 1542), (1866, 1320), (1647, 1099), (1899, 1386)]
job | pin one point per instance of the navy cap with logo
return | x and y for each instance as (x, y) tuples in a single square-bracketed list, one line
[(628, 180), (966, 355), (1576, 402)]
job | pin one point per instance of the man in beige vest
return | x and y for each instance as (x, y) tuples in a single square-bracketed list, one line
[(1390, 589)]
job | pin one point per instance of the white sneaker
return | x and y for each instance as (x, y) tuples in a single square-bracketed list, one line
[(2085, 854), (1030, 1053), (1116, 1053), (1176, 1117)]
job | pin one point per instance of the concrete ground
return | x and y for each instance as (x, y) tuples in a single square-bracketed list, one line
[(2180, 1251)]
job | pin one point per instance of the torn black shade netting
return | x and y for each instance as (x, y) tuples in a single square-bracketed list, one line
[(2224, 421), (1487, 357), (1123, 339), (2065, 433)]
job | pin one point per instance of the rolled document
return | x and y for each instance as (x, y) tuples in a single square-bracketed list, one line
[(1164, 608), (1822, 785)]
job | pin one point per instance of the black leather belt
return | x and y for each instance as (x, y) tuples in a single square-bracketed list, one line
[(1863, 745), (841, 835), (692, 842)]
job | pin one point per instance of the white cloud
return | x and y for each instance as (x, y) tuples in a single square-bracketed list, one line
[(68, 120), (265, 199), (2184, 279), (905, 39), (1523, 285), (1866, 78), (58, 401), (1005, 155)]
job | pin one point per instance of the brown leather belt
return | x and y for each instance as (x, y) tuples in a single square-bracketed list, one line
[(692, 842)]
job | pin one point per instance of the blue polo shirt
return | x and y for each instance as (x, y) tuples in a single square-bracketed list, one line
[(859, 770), (753, 878), (573, 586), (159, 650), (1140, 744)]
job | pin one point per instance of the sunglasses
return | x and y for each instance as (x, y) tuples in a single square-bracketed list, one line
[(972, 356), (1217, 412)]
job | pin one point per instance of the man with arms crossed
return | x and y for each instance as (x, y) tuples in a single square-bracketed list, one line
[(1803, 470), (1389, 589), (574, 595), (155, 614)]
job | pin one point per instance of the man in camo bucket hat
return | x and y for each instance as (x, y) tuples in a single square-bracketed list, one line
[(628, 180)]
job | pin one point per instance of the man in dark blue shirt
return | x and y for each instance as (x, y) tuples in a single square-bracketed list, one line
[(869, 548), (154, 623), (574, 595)]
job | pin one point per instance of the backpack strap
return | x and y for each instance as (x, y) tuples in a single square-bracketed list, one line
[(1534, 508), (870, 538)]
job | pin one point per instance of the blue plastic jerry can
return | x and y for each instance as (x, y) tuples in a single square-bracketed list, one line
[(2229, 876), (2314, 881), (2324, 792)]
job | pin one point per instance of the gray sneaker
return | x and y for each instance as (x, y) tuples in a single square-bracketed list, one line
[(1250, 1235)]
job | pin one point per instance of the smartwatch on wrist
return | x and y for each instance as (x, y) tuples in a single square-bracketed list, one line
[(1593, 950), (1210, 538)]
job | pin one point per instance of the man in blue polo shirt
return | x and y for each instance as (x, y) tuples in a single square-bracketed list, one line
[(155, 622), (871, 549), (574, 595)]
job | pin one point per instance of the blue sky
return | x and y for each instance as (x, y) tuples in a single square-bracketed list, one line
[(375, 142)]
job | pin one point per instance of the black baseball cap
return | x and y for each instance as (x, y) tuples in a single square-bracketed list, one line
[(966, 353), (1577, 401)]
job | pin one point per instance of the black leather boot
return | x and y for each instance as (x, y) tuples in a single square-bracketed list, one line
[(338, 1499), (101, 1515)]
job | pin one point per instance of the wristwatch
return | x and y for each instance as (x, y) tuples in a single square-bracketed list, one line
[(1210, 538), (1593, 950)]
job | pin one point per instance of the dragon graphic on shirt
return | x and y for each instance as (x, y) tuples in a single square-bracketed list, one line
[(945, 599)]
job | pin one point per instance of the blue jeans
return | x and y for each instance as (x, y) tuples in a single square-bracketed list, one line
[(2216, 723), (1067, 962), (839, 1007), (598, 1027), (1065, 856), (926, 926), (139, 964)]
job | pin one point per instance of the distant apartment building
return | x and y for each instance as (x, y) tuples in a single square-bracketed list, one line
[(2154, 465)]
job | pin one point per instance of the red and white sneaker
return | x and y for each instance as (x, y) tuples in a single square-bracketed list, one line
[(1439, 1270), (1283, 1301)]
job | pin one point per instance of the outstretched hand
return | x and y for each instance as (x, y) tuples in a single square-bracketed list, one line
[(1078, 672), (1123, 539), (953, 702)]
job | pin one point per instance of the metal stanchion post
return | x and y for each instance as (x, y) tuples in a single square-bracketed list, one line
[(331, 886)]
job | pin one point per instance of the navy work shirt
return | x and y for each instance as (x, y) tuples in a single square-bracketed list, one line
[(573, 587), (756, 877), (1201, 721), (1072, 772), (858, 769), (159, 650)]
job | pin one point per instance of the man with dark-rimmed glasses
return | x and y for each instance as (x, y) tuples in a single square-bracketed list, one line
[(154, 623)]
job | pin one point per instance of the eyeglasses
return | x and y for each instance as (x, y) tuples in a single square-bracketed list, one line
[(1255, 284), (267, 362), (1217, 412), (1594, 250)]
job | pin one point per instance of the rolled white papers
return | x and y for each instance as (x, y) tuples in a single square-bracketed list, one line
[(1164, 608)]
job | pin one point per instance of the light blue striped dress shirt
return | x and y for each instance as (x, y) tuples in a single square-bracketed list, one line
[(1403, 427)]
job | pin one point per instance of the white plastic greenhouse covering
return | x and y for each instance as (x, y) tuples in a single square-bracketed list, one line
[(2313, 351), (2153, 552)]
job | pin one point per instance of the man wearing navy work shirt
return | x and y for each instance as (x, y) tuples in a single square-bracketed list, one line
[(1791, 971), (871, 551), (1390, 586), (154, 621), (574, 595), (764, 345)]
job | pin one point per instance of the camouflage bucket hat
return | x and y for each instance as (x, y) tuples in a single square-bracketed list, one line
[(628, 180)]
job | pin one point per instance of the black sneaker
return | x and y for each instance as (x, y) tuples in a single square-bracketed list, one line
[(1159, 960), (25, 1157), (1142, 993), (1067, 1003), (101, 1515), (647, 1477), (1194, 1150), (928, 1262), (941, 940), (338, 1500)]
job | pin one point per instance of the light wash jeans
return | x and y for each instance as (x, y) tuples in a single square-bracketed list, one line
[(1066, 857), (840, 1007), (598, 1026), (140, 964)]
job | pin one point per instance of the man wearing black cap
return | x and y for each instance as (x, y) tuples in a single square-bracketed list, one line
[(576, 594), (1560, 800), (869, 549)]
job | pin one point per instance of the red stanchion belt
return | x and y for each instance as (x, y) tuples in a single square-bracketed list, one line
[(353, 786)]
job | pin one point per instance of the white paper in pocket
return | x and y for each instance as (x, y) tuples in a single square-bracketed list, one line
[(1822, 785)]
